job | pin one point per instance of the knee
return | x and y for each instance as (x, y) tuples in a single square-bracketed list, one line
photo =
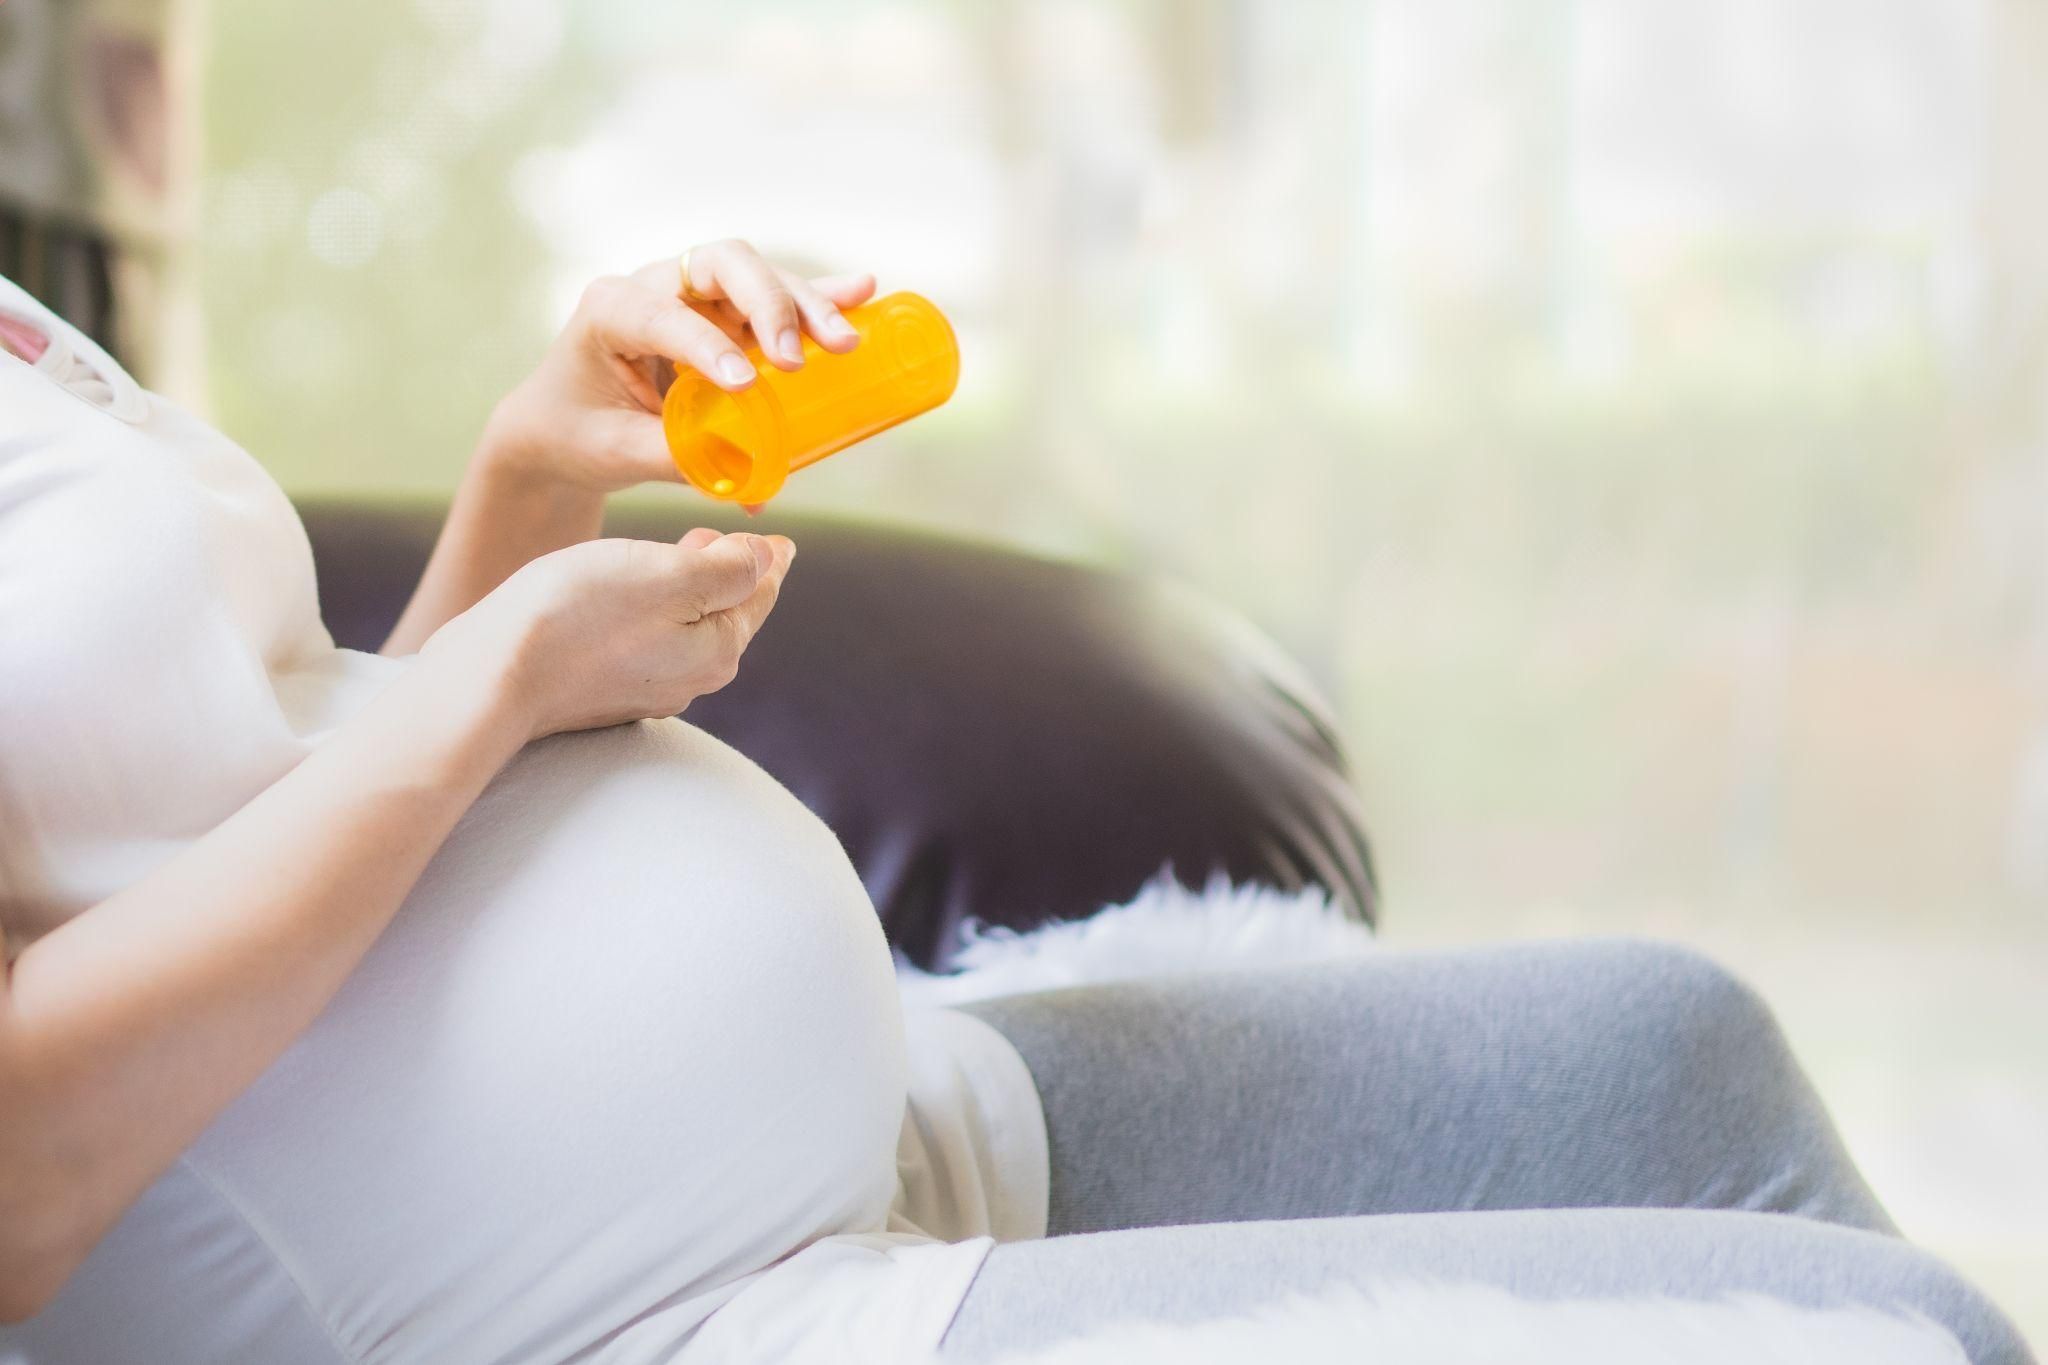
[(1681, 1001), (1687, 1043)]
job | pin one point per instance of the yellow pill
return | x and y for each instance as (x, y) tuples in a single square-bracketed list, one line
[(723, 487)]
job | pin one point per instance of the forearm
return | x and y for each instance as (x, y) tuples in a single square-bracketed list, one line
[(501, 518), (125, 1031)]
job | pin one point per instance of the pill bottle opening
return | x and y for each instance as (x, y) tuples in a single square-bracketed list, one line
[(726, 468), (728, 445)]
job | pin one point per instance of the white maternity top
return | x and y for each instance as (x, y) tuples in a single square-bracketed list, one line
[(627, 1078)]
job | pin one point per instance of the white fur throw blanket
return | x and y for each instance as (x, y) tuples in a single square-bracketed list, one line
[(1169, 928), (1464, 1324)]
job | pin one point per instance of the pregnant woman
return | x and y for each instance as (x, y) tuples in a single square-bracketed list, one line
[(459, 1004)]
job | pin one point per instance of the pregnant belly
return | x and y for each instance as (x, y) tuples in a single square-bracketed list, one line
[(634, 1035)]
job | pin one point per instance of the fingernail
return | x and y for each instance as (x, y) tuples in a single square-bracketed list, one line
[(838, 328), (734, 369), (764, 553), (790, 344)]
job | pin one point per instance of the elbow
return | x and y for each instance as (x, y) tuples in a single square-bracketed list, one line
[(31, 1275), (39, 1252), (19, 1303), (39, 1245), (41, 1229), (45, 1230)]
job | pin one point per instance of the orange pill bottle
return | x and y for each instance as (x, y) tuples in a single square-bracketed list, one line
[(739, 447)]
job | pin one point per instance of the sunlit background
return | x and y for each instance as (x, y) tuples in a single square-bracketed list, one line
[(1634, 412)]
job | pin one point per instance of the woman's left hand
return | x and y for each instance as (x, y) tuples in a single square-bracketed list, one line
[(589, 417)]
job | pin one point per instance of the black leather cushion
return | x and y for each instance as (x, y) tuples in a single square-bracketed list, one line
[(990, 734)]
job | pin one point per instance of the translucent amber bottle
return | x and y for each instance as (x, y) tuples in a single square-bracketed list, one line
[(739, 447)]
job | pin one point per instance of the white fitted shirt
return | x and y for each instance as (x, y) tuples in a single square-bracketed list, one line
[(628, 1063)]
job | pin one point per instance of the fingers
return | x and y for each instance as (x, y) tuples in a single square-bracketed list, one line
[(735, 271), (749, 615), (744, 606), (730, 283), (723, 573), (821, 315), (730, 320), (711, 594), (632, 321), (846, 291)]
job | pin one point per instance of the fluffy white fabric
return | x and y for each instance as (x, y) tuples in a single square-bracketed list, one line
[(1455, 1324), (1166, 928)]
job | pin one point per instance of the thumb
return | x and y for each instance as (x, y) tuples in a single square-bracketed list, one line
[(724, 572), (642, 445)]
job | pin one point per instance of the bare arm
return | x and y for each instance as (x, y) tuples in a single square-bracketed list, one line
[(499, 520), (125, 1031)]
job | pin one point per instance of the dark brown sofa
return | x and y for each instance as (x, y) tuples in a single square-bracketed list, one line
[(991, 735)]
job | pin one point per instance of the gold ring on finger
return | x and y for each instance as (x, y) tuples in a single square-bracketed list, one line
[(689, 291)]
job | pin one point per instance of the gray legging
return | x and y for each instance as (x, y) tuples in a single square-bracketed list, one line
[(1403, 1116)]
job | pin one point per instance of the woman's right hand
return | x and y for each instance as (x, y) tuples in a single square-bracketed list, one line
[(607, 631)]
